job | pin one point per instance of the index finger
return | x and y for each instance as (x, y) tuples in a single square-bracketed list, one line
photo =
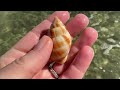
[(31, 39)]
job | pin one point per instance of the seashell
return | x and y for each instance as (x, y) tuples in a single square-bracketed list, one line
[(62, 41)]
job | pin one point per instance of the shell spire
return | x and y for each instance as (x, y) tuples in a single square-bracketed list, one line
[(61, 41)]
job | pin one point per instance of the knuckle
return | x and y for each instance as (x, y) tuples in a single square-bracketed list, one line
[(19, 62)]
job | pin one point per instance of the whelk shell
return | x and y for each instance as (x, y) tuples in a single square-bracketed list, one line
[(62, 41)]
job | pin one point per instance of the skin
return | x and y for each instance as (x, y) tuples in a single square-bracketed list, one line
[(28, 59)]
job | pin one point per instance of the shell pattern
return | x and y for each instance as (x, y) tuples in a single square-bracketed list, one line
[(62, 41)]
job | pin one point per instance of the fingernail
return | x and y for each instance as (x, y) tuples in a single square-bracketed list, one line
[(42, 43)]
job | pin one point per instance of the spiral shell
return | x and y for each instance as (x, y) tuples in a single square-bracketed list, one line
[(61, 41)]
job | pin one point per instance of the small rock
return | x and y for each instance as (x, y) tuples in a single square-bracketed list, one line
[(111, 40), (116, 21), (104, 46), (103, 29), (103, 70), (100, 67)]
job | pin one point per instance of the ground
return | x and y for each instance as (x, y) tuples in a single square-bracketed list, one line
[(106, 63)]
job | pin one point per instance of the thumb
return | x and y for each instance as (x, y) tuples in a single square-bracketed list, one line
[(31, 63)]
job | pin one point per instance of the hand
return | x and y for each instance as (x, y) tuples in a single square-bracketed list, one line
[(29, 57)]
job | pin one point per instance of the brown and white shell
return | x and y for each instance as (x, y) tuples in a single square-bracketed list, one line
[(62, 41)]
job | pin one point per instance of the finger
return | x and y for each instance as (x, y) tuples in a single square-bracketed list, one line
[(63, 15), (77, 24), (43, 74), (88, 38), (80, 64), (19, 50), (31, 39), (31, 63)]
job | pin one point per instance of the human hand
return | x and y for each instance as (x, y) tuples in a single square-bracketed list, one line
[(29, 57)]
